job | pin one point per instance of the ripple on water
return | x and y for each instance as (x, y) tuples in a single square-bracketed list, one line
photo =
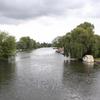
[(43, 75)]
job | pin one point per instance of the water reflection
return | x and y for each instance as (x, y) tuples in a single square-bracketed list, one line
[(43, 75), (88, 67), (7, 71), (80, 67), (79, 80)]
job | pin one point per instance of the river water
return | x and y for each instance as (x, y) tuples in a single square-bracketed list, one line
[(43, 74)]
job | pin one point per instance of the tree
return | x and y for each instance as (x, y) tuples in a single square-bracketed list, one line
[(58, 41), (44, 44), (7, 45), (26, 43), (96, 46), (80, 41)]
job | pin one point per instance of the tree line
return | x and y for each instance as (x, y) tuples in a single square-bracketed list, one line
[(80, 41), (26, 43), (9, 46)]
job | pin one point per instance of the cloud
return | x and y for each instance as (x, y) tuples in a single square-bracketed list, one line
[(12, 10), (43, 20)]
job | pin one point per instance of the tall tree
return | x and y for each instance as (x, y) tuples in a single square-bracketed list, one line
[(80, 41), (7, 45), (26, 43)]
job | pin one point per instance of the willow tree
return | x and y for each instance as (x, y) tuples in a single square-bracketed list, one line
[(57, 42), (96, 46), (79, 41)]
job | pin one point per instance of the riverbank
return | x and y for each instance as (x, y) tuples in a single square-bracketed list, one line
[(97, 61)]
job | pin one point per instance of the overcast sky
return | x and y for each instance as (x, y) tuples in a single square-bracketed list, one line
[(43, 20)]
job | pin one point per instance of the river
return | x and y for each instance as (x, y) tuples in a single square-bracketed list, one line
[(43, 74)]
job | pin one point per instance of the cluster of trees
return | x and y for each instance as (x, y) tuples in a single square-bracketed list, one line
[(80, 41), (26, 43), (8, 45), (45, 44)]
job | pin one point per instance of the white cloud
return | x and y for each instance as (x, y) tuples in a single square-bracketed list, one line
[(43, 20), (46, 28)]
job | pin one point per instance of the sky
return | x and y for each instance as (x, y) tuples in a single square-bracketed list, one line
[(43, 20)]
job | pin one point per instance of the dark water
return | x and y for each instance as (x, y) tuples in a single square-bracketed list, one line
[(43, 75)]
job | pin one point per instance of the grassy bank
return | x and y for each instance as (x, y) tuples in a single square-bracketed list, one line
[(97, 59)]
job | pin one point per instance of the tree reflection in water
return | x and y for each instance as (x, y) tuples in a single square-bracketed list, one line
[(7, 71), (78, 80)]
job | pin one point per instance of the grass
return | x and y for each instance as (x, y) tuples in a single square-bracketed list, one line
[(97, 59)]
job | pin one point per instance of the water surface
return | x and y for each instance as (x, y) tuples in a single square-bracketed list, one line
[(43, 74)]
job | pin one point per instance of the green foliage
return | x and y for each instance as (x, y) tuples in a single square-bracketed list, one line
[(45, 44), (7, 45), (26, 43), (58, 41), (80, 41), (96, 46)]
